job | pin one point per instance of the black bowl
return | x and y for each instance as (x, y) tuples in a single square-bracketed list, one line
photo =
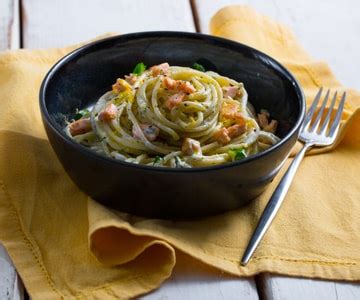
[(81, 77)]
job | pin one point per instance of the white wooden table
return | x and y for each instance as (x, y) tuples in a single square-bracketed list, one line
[(329, 30)]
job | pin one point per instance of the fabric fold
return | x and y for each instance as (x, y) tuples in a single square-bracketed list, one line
[(116, 244)]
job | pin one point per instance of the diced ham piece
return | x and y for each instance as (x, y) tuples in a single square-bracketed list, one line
[(265, 112), (174, 100), (271, 127), (160, 69), (236, 130), (109, 113), (170, 83), (239, 118), (179, 85), (120, 86), (222, 136), (230, 91), (191, 147), (151, 132), (263, 119), (231, 111), (131, 79), (186, 87), (228, 110), (80, 127)]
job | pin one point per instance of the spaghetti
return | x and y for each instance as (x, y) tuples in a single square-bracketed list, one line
[(170, 116)]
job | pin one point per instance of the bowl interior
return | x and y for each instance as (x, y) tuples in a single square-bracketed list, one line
[(88, 72)]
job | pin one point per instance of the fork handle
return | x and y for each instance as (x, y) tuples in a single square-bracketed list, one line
[(274, 204)]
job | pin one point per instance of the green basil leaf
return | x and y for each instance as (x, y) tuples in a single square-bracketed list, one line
[(157, 159), (139, 68), (83, 113), (237, 154), (198, 67)]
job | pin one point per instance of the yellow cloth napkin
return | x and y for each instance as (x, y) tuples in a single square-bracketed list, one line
[(65, 245)]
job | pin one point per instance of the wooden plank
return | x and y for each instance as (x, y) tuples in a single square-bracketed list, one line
[(316, 30), (328, 32), (9, 25), (193, 280), (62, 22), (59, 23), (10, 284), (279, 287)]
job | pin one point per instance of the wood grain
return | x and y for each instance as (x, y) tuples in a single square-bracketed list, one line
[(10, 284), (280, 287), (9, 25), (328, 30), (62, 22), (58, 23), (194, 280)]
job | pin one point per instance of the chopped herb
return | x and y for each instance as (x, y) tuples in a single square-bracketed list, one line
[(84, 113), (157, 159), (139, 68), (237, 154), (198, 67)]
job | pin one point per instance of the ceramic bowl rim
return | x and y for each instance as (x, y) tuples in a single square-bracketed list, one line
[(167, 34)]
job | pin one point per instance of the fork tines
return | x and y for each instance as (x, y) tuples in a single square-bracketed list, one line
[(314, 126)]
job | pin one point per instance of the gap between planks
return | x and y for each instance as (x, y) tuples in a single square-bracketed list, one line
[(41, 25), (195, 15), (9, 24), (18, 38)]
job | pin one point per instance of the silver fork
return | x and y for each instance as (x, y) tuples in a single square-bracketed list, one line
[(311, 136)]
